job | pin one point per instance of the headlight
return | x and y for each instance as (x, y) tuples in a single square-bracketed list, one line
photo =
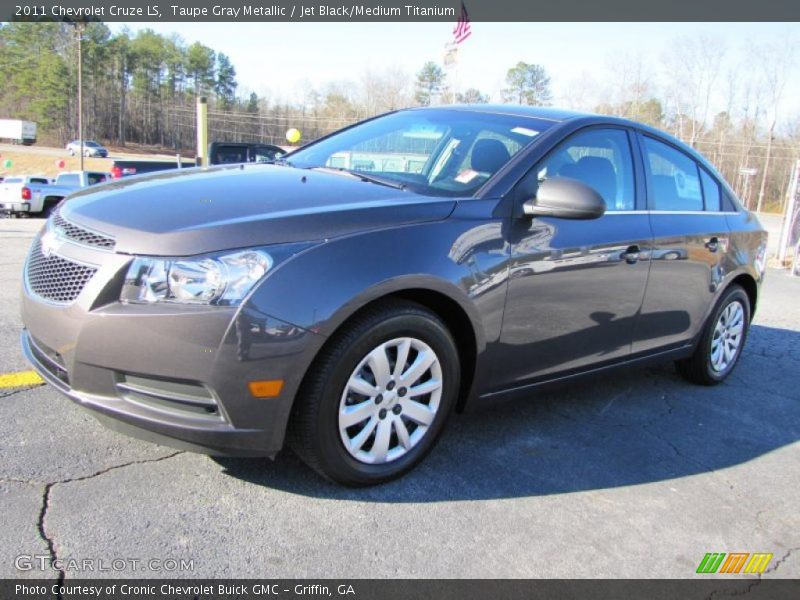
[(221, 280)]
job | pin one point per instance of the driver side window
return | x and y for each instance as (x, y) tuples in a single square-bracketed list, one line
[(600, 158)]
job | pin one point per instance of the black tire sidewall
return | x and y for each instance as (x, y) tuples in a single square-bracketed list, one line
[(734, 293), (336, 460)]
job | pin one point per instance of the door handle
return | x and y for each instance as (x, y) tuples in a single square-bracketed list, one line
[(713, 244), (631, 255)]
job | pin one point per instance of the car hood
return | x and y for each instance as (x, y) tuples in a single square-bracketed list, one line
[(193, 211)]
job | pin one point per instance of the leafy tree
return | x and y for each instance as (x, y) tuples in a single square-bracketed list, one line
[(225, 85), (527, 84), (124, 62), (430, 80), (252, 104), (200, 67), (472, 96)]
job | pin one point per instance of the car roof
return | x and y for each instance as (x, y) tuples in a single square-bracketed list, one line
[(519, 110)]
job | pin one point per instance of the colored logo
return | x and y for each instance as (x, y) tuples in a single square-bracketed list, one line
[(735, 562)]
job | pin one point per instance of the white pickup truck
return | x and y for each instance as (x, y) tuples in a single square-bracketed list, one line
[(36, 195), (17, 193)]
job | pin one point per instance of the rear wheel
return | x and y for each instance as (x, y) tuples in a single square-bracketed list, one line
[(722, 340), (373, 404)]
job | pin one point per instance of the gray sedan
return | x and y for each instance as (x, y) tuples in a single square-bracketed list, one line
[(349, 297), (90, 149)]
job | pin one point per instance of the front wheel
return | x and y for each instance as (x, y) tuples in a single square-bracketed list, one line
[(722, 340), (374, 402)]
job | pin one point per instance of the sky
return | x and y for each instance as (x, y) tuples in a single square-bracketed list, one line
[(277, 58)]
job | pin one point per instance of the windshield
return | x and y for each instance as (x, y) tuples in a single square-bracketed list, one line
[(437, 151)]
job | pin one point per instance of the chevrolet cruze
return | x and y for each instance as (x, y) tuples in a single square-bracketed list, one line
[(350, 296)]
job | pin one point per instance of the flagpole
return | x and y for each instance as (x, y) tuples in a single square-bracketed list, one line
[(461, 32)]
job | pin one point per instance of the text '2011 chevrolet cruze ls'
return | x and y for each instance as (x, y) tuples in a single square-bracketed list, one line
[(349, 296)]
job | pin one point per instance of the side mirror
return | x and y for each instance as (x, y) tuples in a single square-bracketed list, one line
[(565, 198)]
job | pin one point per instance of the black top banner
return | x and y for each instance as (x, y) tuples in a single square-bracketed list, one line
[(399, 10)]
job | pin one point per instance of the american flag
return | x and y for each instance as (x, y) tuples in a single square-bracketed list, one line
[(462, 29)]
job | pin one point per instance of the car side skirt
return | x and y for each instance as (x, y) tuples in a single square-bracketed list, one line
[(665, 355)]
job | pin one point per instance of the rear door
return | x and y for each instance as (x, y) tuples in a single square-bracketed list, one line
[(576, 287), (691, 238)]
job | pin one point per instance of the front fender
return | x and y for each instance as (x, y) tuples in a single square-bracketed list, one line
[(462, 258)]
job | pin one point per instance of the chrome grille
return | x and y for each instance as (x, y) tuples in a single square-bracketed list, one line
[(55, 278), (81, 235)]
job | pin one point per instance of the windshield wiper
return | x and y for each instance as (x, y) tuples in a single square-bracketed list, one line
[(366, 177), (379, 180)]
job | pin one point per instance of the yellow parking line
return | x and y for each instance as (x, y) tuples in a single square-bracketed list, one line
[(20, 379)]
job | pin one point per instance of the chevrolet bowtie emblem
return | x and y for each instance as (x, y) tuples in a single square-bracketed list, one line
[(50, 243)]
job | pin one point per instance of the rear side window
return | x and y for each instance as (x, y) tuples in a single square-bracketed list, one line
[(229, 154), (674, 178), (95, 178), (711, 192), (39, 180), (600, 158), (69, 179)]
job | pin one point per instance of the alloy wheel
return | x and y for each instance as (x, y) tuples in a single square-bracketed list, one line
[(726, 340)]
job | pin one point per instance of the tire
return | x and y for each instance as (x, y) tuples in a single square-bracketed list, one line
[(345, 448), (705, 367), (71, 152)]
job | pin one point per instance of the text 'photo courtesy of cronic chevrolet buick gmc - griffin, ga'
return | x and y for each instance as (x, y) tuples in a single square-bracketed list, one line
[(347, 298)]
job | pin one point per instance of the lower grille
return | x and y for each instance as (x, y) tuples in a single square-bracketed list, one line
[(49, 359), (55, 278), (179, 397)]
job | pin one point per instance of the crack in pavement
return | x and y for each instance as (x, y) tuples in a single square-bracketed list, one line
[(51, 545), (46, 499), (26, 388), (781, 560)]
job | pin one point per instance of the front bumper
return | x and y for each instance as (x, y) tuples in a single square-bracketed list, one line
[(177, 375)]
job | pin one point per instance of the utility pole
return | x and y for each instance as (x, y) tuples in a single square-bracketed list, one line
[(202, 132), (789, 216), (79, 31)]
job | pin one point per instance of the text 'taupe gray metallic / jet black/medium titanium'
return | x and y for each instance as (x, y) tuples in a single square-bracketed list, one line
[(348, 297)]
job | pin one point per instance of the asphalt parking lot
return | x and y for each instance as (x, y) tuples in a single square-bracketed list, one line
[(636, 474)]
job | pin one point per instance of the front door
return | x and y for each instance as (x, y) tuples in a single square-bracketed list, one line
[(576, 286)]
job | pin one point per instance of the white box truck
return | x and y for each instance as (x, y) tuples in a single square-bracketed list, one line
[(18, 132)]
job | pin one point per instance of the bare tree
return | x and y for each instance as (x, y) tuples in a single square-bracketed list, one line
[(693, 65), (776, 61), (385, 91)]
